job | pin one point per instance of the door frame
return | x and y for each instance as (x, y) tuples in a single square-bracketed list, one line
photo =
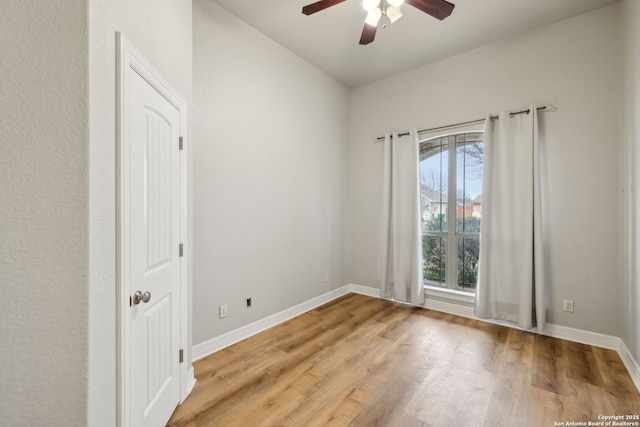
[(129, 58)]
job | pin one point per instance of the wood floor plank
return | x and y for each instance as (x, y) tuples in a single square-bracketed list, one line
[(615, 378), (519, 347), (548, 407), (362, 361), (549, 368), (509, 404), (583, 366)]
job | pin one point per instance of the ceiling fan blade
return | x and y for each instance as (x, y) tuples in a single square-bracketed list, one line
[(439, 9), (319, 5), (368, 34)]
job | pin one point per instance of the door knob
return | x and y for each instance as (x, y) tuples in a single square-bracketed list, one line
[(139, 297)]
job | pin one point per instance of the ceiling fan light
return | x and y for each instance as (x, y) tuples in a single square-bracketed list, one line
[(395, 3), (373, 16), (393, 13), (369, 5)]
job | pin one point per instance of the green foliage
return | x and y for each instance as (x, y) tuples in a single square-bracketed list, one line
[(468, 255), (470, 224), (435, 257)]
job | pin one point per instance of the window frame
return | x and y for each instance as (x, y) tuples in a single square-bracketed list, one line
[(451, 235)]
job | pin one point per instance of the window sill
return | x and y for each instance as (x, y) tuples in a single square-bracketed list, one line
[(449, 294)]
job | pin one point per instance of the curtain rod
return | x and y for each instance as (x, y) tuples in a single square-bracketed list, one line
[(548, 107)]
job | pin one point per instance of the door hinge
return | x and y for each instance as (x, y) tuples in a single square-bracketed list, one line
[(181, 249), (181, 143), (181, 356)]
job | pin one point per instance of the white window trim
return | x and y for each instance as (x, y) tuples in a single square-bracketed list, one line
[(447, 293)]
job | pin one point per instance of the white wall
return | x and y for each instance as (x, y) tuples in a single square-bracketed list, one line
[(270, 161), (161, 30), (630, 295), (575, 65), (44, 199)]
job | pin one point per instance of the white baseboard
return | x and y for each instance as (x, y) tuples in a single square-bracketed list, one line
[(630, 363), (218, 343), (191, 382), (364, 290), (570, 334), (583, 337), (450, 308)]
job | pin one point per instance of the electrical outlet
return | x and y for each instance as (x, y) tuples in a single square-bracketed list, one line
[(222, 311), (567, 305), (326, 277), (248, 302)]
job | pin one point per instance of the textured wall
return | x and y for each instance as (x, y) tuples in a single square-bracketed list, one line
[(269, 175), (44, 203), (575, 65)]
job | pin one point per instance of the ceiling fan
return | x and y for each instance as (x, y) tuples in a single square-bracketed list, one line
[(439, 9)]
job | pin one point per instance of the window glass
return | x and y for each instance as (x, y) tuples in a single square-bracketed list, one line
[(434, 170), (469, 155)]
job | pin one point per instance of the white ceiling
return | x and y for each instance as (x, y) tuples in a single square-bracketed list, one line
[(329, 38)]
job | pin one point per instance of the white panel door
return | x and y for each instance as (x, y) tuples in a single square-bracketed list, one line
[(154, 261)]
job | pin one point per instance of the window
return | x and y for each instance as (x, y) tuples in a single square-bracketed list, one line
[(451, 209)]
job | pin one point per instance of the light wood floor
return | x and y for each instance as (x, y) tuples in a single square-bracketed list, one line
[(362, 361)]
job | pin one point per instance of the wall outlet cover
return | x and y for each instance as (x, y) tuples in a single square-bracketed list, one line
[(567, 305)]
